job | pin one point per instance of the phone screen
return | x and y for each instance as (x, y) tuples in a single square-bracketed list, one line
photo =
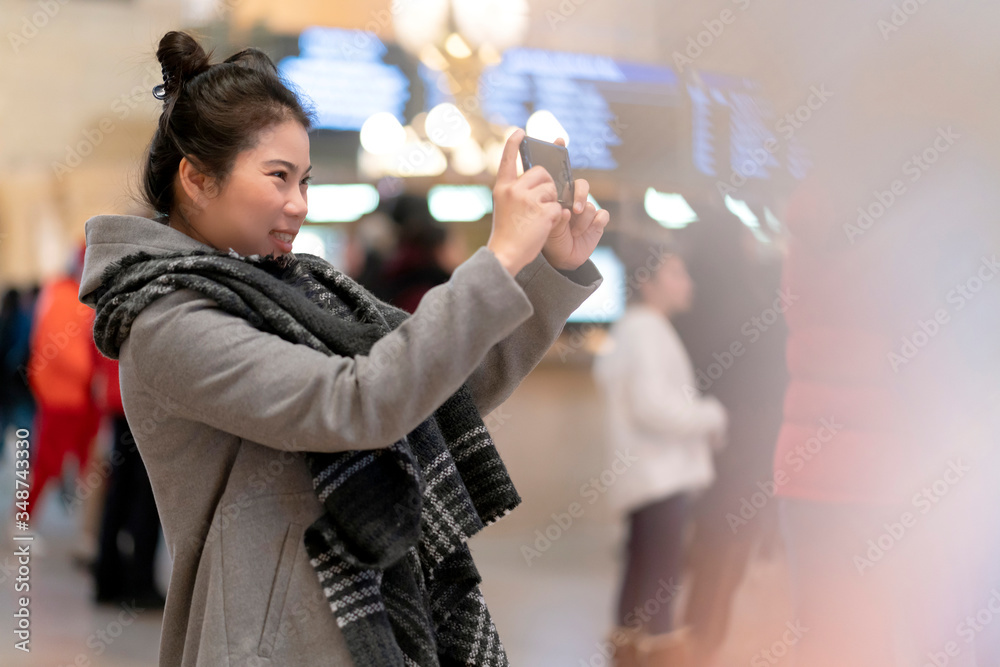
[(555, 159)]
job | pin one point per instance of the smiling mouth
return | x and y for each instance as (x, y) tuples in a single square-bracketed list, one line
[(282, 236)]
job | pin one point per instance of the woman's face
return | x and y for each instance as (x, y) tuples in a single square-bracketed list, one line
[(261, 206)]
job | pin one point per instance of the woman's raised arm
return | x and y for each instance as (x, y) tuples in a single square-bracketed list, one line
[(554, 296), (212, 367)]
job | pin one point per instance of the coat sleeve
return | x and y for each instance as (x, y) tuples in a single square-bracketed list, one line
[(218, 369), (554, 295), (660, 403)]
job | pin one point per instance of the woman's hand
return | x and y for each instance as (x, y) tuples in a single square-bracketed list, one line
[(525, 210), (574, 238)]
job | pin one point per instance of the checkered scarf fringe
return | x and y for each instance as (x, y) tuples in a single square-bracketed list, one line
[(390, 551)]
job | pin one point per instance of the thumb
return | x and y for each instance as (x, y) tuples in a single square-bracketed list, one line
[(508, 161)]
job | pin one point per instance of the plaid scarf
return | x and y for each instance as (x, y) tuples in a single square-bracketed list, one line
[(390, 549)]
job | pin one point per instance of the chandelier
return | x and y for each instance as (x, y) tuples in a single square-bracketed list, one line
[(455, 40)]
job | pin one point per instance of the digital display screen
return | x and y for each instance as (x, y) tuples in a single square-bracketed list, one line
[(645, 123), (607, 303), (345, 78), (735, 129), (618, 115)]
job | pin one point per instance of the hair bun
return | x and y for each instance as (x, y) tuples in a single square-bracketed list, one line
[(181, 59), (253, 58)]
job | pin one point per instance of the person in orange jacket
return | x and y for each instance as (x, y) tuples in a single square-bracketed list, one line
[(60, 373)]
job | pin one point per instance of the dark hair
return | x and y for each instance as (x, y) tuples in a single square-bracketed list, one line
[(211, 113), (642, 254), (8, 305)]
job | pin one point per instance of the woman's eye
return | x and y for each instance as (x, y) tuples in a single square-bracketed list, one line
[(279, 174), (307, 180)]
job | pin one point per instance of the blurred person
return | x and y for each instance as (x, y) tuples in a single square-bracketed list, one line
[(318, 457), (735, 335), (372, 240), (129, 507), (891, 523), (60, 373), (840, 447), (420, 260), (17, 406), (656, 415), (875, 435)]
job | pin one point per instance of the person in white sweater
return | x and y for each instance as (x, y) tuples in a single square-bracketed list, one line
[(656, 415)]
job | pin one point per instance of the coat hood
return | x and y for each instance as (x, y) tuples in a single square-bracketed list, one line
[(111, 237)]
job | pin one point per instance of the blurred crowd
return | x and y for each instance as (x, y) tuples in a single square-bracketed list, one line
[(832, 397)]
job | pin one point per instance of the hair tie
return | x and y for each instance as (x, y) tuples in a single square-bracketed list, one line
[(160, 91)]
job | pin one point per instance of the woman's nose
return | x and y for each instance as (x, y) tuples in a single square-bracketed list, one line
[(297, 205)]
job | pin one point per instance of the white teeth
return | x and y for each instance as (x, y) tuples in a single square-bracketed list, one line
[(287, 238)]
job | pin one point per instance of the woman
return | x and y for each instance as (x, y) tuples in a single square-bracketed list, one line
[(656, 414), (318, 458)]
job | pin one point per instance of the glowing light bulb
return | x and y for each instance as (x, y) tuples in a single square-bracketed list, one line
[(544, 125), (446, 126), (382, 133), (456, 46)]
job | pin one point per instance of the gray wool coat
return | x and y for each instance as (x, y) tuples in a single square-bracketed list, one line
[(221, 414)]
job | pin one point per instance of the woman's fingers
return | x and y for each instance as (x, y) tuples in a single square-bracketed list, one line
[(591, 222), (536, 176), (507, 172), (601, 221), (581, 189)]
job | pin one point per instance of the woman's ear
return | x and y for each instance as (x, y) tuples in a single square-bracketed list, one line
[(197, 184)]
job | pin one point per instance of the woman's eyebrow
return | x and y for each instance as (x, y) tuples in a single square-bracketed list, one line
[(288, 165)]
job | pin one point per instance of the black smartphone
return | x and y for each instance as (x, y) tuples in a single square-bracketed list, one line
[(555, 159)]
